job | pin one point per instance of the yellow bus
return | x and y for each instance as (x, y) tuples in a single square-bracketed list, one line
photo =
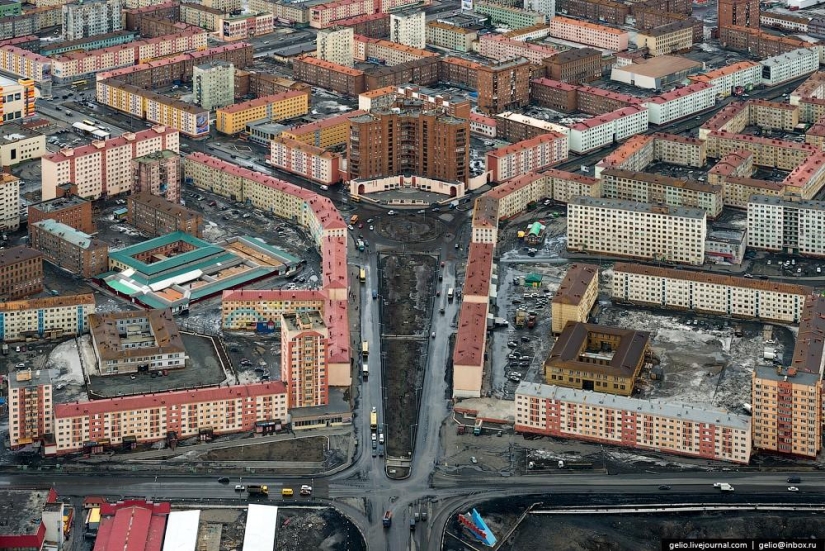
[(374, 420), (365, 349), (88, 122), (79, 83), (363, 275)]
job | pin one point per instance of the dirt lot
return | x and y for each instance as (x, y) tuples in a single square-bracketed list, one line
[(407, 284), (308, 449), (324, 530)]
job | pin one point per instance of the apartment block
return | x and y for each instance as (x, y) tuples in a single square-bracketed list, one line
[(680, 103), (158, 173), (67, 248), (760, 44), (91, 18), (575, 296), (156, 216), (229, 409), (50, 317), (325, 133), (591, 34), (451, 37), (31, 407), (513, 18), (742, 13), (103, 168), (313, 163), (408, 27), (644, 187), (597, 357), (325, 74), (200, 16), (325, 15), (708, 293), (667, 39), (424, 143), (515, 127), (387, 52), (785, 22), (726, 79), (503, 86), (781, 154), (67, 209), (637, 230), (17, 101), (21, 272), (304, 341), (275, 108), (485, 126), (213, 84), (374, 25), (651, 15), (793, 227), (435, 99), (598, 101), (679, 150), (500, 48), (243, 26), (20, 144), (527, 156), (608, 128), (635, 155), (787, 402), (664, 427), (554, 94), (808, 97), (9, 202), (485, 220), (26, 64), (575, 66), (789, 65), (335, 45)]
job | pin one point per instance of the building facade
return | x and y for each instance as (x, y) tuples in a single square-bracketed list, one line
[(644, 187), (575, 66), (637, 230), (313, 163), (608, 128), (408, 27), (789, 65), (158, 173), (783, 225), (628, 422), (69, 248), (680, 103), (156, 216), (213, 84), (741, 13), (335, 45), (21, 272), (9, 202), (31, 408), (504, 86), (304, 339), (575, 297), (50, 317), (71, 210), (91, 18), (451, 37), (534, 154), (591, 34), (274, 108), (708, 293), (17, 101)]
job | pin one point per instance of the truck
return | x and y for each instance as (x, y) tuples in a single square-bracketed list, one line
[(725, 487), (521, 318), (257, 489), (374, 421), (387, 520), (450, 294), (365, 370), (353, 219), (477, 428), (531, 319)]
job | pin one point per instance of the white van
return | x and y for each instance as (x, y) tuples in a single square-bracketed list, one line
[(325, 188)]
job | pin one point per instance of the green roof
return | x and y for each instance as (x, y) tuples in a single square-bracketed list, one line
[(533, 278), (280, 254), (202, 250), (228, 283), (121, 287), (535, 228)]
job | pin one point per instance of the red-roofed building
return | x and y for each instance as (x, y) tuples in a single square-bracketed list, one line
[(680, 102), (605, 129), (133, 525), (554, 94), (478, 273), (468, 355), (527, 156)]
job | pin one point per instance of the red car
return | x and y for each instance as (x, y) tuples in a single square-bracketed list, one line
[(361, 226)]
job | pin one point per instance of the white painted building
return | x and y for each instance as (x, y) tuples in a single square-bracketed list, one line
[(602, 130), (725, 79), (335, 45), (547, 7), (680, 102), (788, 66), (9, 202), (409, 27), (795, 227)]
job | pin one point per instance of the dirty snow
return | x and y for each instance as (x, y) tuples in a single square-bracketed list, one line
[(64, 363)]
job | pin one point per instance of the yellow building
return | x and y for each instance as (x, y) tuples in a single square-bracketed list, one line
[(576, 296), (324, 133), (667, 39), (277, 107)]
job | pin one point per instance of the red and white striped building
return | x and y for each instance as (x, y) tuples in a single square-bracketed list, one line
[(313, 163), (527, 156)]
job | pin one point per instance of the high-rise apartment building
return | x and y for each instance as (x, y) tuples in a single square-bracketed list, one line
[(213, 84), (785, 225), (740, 13), (158, 173), (409, 141), (104, 168), (787, 402), (504, 86), (547, 7), (304, 342), (91, 18), (335, 45), (9, 202), (408, 27), (637, 230), (31, 413)]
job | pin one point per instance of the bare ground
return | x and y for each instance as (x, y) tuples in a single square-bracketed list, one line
[(324, 530), (307, 449)]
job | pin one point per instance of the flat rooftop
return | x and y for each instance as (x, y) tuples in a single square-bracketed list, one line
[(682, 212), (22, 510), (571, 349), (661, 66), (203, 369), (59, 203)]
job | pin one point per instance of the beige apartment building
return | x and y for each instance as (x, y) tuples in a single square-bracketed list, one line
[(661, 426), (708, 293), (667, 39), (9, 202), (304, 341), (335, 45), (452, 37), (787, 402), (31, 407), (781, 154), (575, 296), (782, 225), (48, 317), (645, 187), (485, 220), (679, 150), (104, 168), (637, 230), (514, 195), (147, 418), (242, 309)]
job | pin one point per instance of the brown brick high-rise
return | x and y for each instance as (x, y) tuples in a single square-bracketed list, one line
[(409, 141), (504, 86), (740, 13)]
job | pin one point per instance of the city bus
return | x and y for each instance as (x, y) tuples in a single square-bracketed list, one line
[(365, 349), (90, 123), (79, 83), (363, 275), (374, 420)]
